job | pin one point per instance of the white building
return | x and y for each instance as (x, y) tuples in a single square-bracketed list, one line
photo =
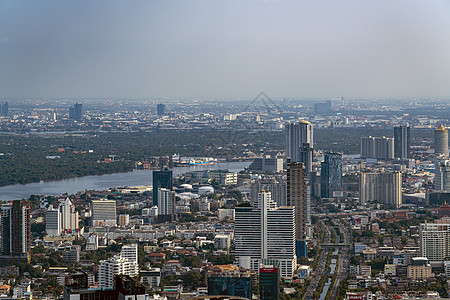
[(104, 213), (69, 215), (383, 188), (21, 290), (265, 233), (297, 135), (435, 241), (166, 202), (116, 265), (130, 252), (53, 221)]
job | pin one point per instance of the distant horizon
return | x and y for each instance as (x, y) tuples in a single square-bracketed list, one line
[(225, 49)]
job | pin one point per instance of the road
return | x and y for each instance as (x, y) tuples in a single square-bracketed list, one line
[(321, 266), (343, 262)]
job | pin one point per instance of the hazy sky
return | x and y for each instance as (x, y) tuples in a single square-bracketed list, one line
[(208, 48)]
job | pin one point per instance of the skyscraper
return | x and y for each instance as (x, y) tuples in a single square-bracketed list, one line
[(4, 108), (53, 221), (104, 213), (76, 112), (377, 147), (442, 175), (161, 179), (441, 141), (16, 233), (298, 195), (265, 233), (166, 202), (402, 142), (385, 188), (331, 174), (298, 137), (160, 109)]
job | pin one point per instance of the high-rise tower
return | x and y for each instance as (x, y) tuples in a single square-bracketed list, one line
[(16, 233), (298, 195), (299, 138), (441, 141), (331, 174), (402, 141), (161, 179), (385, 188)]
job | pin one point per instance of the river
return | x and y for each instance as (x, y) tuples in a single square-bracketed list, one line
[(101, 182)]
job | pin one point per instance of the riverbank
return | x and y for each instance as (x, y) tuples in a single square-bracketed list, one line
[(102, 182)]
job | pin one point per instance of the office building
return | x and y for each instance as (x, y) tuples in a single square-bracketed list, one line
[(130, 252), (104, 213), (161, 179), (377, 148), (331, 175), (298, 194), (435, 241), (276, 189), (237, 286), (76, 112), (160, 109), (4, 109), (385, 188), (298, 136), (69, 217), (16, 230), (269, 283), (265, 233), (441, 141), (267, 164), (53, 223), (442, 176), (116, 265), (72, 254), (402, 142)]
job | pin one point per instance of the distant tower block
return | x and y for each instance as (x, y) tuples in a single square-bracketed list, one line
[(441, 141)]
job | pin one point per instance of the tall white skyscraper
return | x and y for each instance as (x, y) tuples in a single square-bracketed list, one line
[(265, 233), (116, 265), (69, 217), (383, 188), (299, 143), (104, 213), (166, 202), (53, 222)]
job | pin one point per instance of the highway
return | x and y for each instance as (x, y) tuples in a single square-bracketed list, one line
[(321, 266), (344, 260)]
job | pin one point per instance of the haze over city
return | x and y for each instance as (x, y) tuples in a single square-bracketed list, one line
[(224, 49)]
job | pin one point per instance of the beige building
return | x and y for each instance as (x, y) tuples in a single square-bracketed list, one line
[(419, 272)]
